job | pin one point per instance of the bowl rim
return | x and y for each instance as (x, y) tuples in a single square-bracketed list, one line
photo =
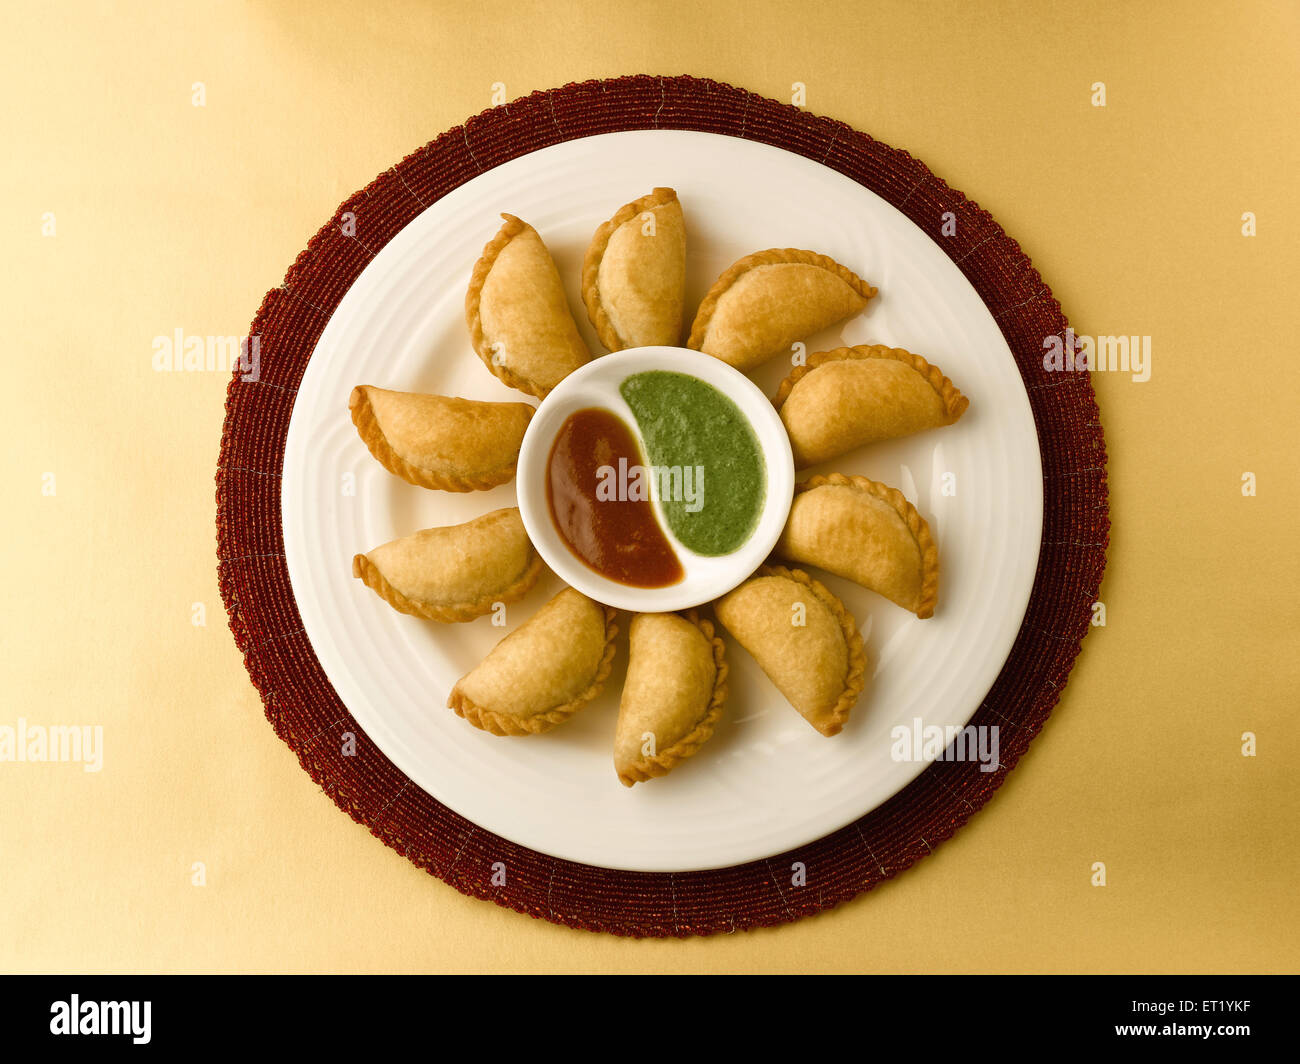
[(597, 384)]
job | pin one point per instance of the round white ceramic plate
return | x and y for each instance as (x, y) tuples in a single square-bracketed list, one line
[(766, 782)]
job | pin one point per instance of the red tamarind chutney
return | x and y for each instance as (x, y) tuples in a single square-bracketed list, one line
[(599, 497)]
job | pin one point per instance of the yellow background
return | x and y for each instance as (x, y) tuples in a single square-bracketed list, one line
[(170, 215)]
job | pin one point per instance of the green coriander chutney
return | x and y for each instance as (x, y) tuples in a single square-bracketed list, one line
[(706, 467)]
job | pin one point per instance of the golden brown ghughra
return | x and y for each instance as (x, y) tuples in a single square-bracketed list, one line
[(543, 672), (454, 573), (865, 532), (674, 693), (852, 396), (519, 320), (634, 274), (765, 302), (803, 638), (440, 441)]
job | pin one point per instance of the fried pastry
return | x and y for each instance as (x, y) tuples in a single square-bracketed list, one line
[(765, 302), (804, 640), (543, 672), (454, 573), (852, 396), (634, 274), (440, 441), (519, 320), (674, 693), (865, 532)]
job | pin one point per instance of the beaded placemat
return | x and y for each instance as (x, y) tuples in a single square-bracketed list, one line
[(308, 714)]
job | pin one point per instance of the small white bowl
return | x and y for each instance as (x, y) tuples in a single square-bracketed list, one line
[(596, 385)]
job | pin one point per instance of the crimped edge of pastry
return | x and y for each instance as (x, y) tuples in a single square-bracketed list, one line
[(596, 312), (954, 403), (855, 676), (452, 613), (916, 524), (363, 417), (770, 257), (665, 761), (512, 228), (489, 720)]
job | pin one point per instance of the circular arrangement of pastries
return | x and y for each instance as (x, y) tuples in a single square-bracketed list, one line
[(800, 634)]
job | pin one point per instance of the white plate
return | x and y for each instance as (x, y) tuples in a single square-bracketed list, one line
[(766, 782)]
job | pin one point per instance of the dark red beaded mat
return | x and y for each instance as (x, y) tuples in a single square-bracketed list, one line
[(307, 713)]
